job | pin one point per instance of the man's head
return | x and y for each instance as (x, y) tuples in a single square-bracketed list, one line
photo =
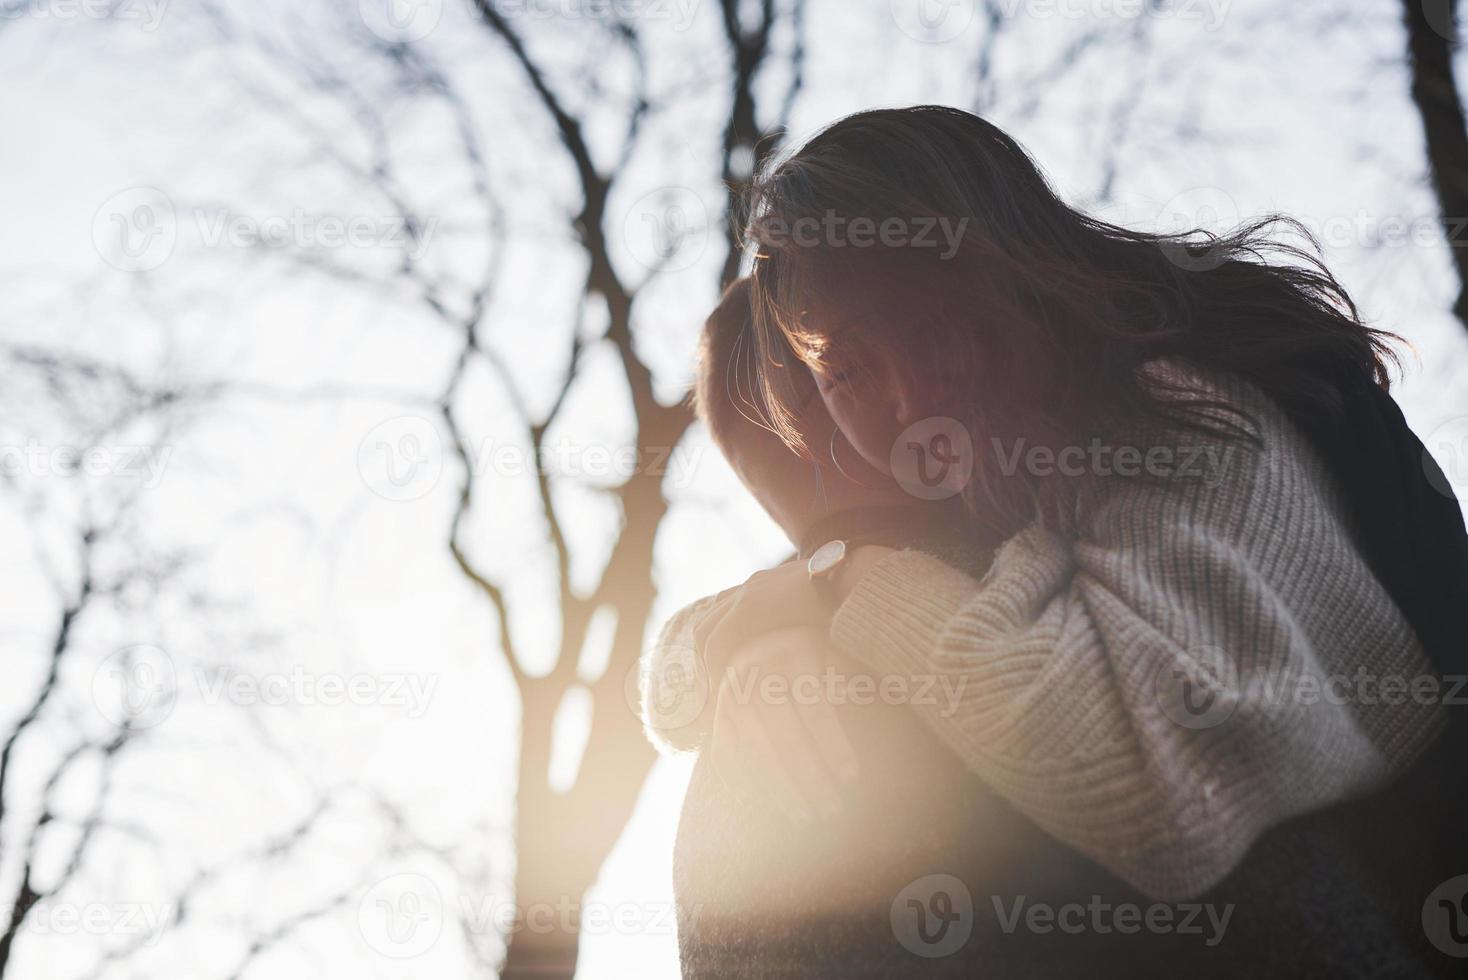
[(796, 492)]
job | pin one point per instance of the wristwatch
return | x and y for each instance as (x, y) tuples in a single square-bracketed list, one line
[(823, 565)]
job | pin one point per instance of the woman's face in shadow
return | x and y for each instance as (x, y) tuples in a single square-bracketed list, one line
[(872, 400), (797, 491)]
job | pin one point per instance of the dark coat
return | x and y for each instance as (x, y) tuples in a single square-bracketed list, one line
[(1335, 894)]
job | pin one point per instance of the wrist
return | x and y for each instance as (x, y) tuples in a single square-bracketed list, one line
[(860, 561)]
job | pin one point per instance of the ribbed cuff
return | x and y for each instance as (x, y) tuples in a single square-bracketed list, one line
[(673, 688), (894, 616)]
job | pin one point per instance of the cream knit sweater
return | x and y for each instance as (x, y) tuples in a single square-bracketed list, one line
[(1207, 657)]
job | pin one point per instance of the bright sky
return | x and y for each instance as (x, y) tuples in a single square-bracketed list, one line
[(1236, 110)]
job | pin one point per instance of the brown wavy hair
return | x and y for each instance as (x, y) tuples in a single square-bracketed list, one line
[(1039, 316)]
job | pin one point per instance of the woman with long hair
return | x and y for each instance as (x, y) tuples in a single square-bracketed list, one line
[(1220, 543)]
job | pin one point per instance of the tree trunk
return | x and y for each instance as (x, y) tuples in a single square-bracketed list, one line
[(542, 939), (561, 840), (543, 943), (1431, 38)]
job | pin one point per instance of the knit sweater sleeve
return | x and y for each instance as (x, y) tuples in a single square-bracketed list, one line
[(672, 685), (1203, 658)]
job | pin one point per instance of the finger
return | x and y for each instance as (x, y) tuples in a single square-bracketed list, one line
[(808, 657), (819, 718), (710, 619), (724, 636), (751, 609), (764, 766), (794, 762), (808, 771), (724, 749), (823, 728)]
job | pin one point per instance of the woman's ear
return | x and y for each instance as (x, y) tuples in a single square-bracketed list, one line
[(814, 422)]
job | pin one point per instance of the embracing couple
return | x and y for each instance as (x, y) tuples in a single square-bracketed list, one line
[(1008, 717)]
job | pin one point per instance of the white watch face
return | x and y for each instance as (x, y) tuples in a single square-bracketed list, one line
[(827, 557)]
